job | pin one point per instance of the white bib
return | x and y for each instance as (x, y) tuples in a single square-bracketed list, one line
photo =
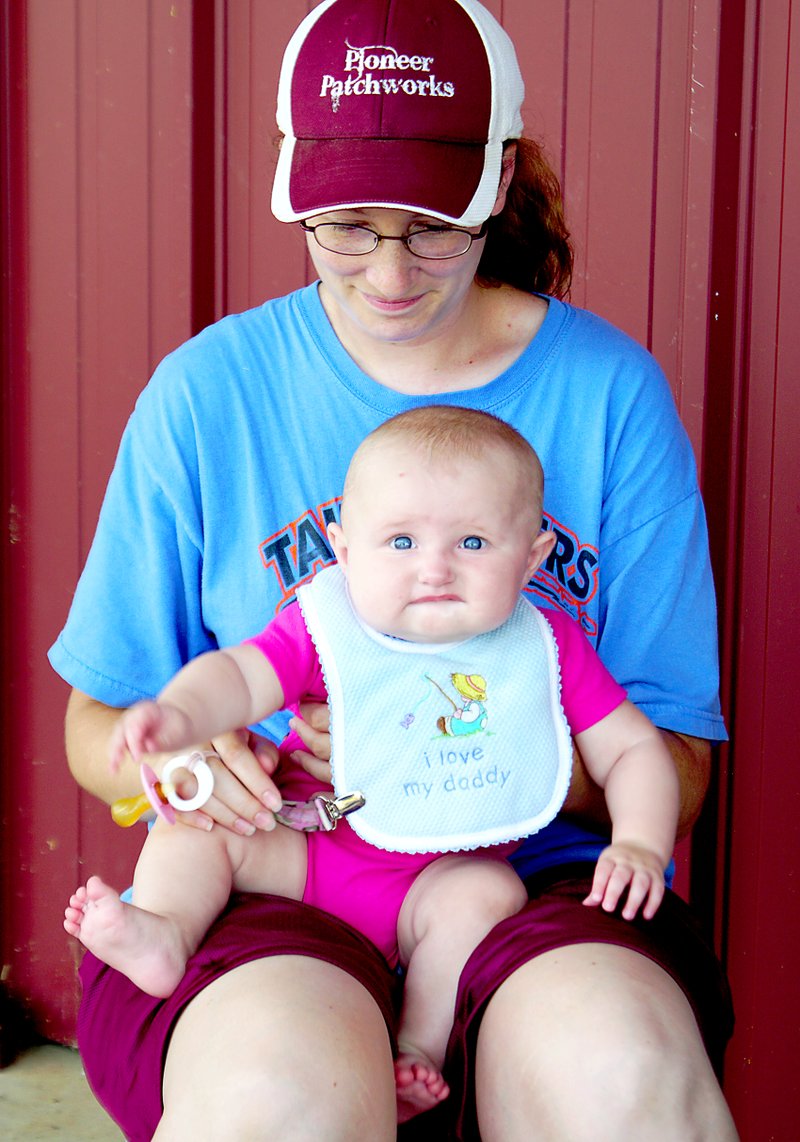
[(453, 746)]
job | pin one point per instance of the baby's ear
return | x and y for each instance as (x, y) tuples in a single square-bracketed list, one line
[(541, 548), (336, 538)]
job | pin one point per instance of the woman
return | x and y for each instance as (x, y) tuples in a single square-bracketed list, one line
[(441, 254)]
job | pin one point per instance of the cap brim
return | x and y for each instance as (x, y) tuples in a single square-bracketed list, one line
[(455, 182)]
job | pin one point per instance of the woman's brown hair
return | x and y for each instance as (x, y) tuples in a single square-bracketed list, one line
[(528, 243)]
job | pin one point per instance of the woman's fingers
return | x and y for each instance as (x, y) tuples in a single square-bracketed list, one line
[(313, 729), (265, 751), (321, 770), (244, 797), (243, 764), (316, 715)]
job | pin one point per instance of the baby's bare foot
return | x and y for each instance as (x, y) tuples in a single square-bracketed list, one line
[(418, 1084), (143, 946)]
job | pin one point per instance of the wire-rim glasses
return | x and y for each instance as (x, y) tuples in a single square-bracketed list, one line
[(434, 242)]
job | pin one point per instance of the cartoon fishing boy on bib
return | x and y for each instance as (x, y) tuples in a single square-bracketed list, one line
[(471, 716)]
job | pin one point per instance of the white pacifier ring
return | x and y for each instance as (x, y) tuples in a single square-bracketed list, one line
[(198, 766)]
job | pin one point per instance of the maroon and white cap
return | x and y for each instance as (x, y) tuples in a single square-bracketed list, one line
[(398, 103)]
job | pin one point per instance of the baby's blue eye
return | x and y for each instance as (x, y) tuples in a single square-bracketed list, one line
[(472, 543), (402, 543)]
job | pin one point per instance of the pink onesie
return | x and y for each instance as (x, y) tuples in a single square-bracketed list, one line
[(347, 877)]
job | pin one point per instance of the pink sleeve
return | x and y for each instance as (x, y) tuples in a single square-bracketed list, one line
[(588, 692), (286, 643)]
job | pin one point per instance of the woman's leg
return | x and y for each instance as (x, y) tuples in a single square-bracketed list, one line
[(297, 1006), (287, 1047), (595, 1042), (572, 1018)]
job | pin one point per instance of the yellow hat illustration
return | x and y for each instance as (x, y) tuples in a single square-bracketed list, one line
[(472, 686)]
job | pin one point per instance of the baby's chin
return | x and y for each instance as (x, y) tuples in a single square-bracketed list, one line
[(437, 622)]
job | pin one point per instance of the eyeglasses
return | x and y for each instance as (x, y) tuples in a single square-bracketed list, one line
[(434, 242)]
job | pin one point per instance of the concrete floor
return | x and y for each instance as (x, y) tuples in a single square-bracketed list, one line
[(44, 1095)]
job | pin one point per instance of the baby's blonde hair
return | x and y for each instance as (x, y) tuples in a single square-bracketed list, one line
[(451, 433)]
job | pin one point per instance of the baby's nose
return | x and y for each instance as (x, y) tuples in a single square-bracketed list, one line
[(435, 570)]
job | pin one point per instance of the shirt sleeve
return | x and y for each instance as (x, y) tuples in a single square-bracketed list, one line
[(658, 620), (136, 615), (588, 691), (290, 651)]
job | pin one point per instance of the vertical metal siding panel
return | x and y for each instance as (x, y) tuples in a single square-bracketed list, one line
[(694, 282), (94, 284), (539, 31), (683, 204), (578, 81), (724, 404), (263, 257), (616, 121), (670, 189), (114, 242), (177, 176), (42, 807), (13, 371), (764, 916), (237, 131)]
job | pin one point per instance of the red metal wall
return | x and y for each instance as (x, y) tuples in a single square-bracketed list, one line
[(756, 279), (136, 167)]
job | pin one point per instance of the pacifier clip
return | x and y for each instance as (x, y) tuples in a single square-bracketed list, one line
[(322, 812)]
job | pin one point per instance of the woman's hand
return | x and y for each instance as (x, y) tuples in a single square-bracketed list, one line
[(244, 791), (245, 797), (313, 728)]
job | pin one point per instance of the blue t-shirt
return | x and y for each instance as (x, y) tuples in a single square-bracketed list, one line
[(233, 462)]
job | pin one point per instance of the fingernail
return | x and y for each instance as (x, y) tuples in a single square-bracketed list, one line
[(272, 801), (243, 828), (265, 821)]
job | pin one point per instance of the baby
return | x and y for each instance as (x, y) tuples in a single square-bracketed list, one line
[(454, 706)]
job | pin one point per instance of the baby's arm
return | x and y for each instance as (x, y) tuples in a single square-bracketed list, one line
[(626, 755), (217, 692)]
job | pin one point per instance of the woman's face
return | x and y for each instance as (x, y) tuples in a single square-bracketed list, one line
[(391, 295)]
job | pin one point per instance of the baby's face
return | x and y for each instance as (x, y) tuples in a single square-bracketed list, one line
[(437, 552)]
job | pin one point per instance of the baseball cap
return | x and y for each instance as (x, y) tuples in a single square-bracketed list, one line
[(397, 103)]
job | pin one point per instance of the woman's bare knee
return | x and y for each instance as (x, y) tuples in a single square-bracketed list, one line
[(291, 1048), (595, 1042)]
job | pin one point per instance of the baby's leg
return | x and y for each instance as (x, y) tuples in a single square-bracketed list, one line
[(182, 882), (449, 909)]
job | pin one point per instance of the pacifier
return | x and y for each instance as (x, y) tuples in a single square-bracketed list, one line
[(161, 794)]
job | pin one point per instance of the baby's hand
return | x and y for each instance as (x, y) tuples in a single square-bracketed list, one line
[(622, 866), (146, 727)]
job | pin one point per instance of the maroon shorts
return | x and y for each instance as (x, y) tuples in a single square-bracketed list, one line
[(555, 917), (124, 1034)]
